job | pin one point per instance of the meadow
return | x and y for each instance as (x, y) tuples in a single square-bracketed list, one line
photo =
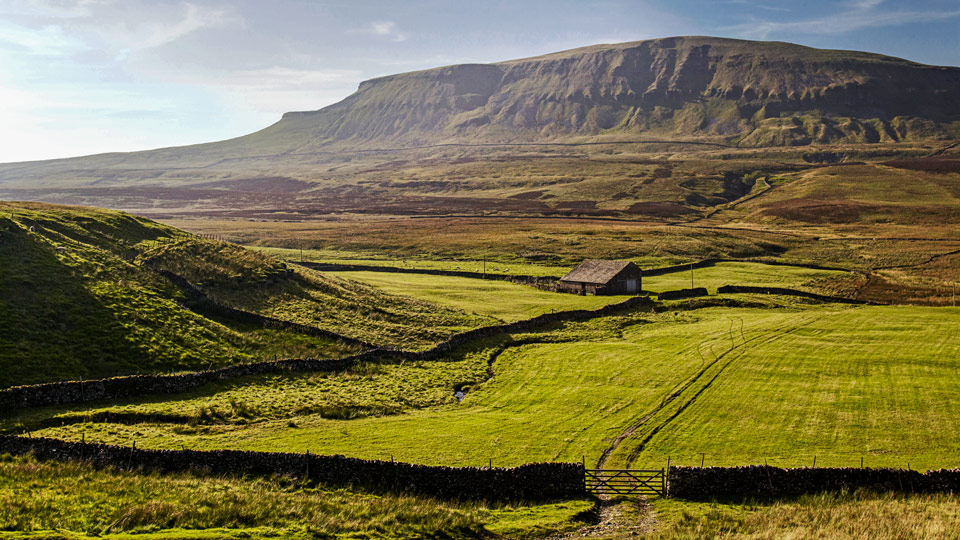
[(714, 377), (482, 297), (843, 516), (743, 273), (729, 380)]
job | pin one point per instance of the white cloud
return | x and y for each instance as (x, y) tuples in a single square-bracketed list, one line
[(388, 29), (193, 18), (49, 40)]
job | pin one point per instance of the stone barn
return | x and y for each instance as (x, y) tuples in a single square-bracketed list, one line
[(596, 277)]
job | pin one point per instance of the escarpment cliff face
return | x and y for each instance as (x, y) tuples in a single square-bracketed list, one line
[(751, 93)]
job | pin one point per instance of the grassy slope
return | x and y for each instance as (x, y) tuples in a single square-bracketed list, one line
[(825, 372), (501, 300), (77, 500), (306, 297), (108, 316), (79, 298)]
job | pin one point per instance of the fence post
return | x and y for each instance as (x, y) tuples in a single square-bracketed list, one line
[(666, 483)]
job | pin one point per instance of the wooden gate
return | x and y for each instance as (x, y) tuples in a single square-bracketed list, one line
[(625, 481)]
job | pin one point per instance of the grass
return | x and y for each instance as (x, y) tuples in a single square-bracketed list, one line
[(838, 384), (80, 299), (742, 273), (844, 516), (482, 297), (370, 389), (534, 246), (467, 265), (814, 379), (75, 500)]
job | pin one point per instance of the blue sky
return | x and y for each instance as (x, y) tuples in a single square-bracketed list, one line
[(86, 76)]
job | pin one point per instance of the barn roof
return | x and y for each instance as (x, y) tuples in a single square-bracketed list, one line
[(596, 271)]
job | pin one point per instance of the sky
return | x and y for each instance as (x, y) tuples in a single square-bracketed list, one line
[(81, 77)]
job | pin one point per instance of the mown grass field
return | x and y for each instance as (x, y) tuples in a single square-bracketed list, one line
[(743, 273), (71, 500), (872, 382), (829, 373), (501, 300)]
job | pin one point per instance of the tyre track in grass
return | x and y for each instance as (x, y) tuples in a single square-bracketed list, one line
[(702, 374)]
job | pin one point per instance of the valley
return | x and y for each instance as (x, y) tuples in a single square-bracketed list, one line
[(375, 280)]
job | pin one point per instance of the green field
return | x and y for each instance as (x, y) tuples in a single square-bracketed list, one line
[(501, 300), (743, 273), (419, 263), (872, 382), (828, 373), (732, 380)]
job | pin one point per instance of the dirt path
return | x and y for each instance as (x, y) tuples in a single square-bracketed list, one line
[(616, 520)]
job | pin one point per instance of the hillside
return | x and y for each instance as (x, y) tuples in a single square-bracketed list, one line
[(734, 92), (82, 295), (751, 93)]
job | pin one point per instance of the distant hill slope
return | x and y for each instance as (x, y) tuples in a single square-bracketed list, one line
[(746, 93), (752, 93), (81, 297)]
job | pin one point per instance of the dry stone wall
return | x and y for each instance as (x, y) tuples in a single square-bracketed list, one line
[(36, 395), (682, 293), (531, 482), (707, 483), (732, 289)]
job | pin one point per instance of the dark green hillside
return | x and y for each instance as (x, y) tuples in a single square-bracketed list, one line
[(71, 306), (253, 282), (81, 297)]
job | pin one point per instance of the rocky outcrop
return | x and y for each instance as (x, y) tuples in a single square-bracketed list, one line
[(759, 93)]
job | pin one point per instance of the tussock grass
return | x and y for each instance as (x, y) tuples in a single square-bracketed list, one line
[(73, 498), (370, 389), (861, 515)]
